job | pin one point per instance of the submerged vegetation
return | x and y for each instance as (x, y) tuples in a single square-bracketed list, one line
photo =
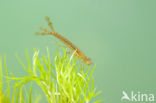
[(62, 80)]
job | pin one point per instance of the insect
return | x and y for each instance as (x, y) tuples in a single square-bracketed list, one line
[(78, 52)]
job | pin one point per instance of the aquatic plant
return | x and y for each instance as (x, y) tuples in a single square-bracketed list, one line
[(63, 81)]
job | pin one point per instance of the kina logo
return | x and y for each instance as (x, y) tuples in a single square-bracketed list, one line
[(137, 97)]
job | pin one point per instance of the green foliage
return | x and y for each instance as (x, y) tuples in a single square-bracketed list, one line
[(64, 81)]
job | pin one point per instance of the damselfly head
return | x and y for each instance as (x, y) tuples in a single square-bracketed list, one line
[(88, 61)]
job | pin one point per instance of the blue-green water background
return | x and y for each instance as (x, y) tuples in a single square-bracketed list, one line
[(119, 36)]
